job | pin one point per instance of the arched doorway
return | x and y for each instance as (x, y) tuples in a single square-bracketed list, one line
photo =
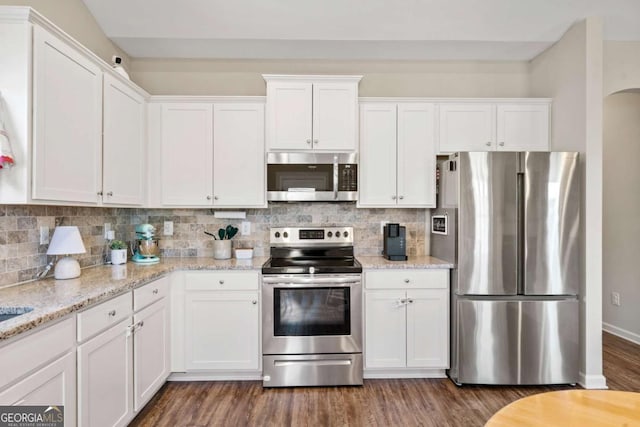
[(621, 214)]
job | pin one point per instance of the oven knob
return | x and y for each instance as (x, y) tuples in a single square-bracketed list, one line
[(312, 270), (329, 234), (285, 234), (277, 234), (337, 234), (345, 234)]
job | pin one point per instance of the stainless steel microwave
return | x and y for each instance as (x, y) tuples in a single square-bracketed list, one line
[(322, 177)]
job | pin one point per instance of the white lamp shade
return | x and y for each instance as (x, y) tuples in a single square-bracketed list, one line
[(65, 241)]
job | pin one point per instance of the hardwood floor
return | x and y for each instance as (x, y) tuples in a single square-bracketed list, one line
[(414, 402)]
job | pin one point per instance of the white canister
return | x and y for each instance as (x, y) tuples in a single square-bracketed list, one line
[(222, 249), (118, 256)]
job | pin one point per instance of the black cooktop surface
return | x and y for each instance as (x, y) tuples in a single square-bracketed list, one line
[(309, 265)]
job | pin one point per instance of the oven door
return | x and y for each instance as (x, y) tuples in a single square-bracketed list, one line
[(311, 314)]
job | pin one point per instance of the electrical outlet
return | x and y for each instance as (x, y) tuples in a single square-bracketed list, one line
[(111, 235), (168, 228), (44, 235), (107, 229), (382, 224), (615, 298), (246, 228)]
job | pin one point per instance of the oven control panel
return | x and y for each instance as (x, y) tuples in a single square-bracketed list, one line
[(321, 236)]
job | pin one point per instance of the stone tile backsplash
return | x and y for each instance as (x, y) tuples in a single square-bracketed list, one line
[(22, 257)]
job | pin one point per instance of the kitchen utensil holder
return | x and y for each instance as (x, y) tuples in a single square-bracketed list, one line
[(222, 249)]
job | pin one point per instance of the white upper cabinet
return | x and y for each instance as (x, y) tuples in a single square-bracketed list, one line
[(187, 154), (238, 155), (67, 117), (207, 153), (521, 125), (397, 154), (312, 112), (123, 144)]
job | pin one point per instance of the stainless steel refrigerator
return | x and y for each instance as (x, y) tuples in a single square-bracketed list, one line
[(510, 223)]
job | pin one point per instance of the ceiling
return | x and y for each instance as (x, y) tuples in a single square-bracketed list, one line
[(494, 30)]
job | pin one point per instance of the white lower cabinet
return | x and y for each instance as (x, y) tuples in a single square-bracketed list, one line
[(120, 368), (406, 321), (105, 372), (219, 328), (53, 383)]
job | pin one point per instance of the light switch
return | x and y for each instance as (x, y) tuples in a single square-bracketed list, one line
[(246, 228), (168, 228), (44, 235)]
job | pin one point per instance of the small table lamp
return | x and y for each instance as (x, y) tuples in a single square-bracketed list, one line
[(66, 241)]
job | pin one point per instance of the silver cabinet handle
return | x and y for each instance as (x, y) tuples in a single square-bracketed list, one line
[(410, 300), (110, 193), (401, 197), (215, 197), (315, 141), (406, 280), (112, 313), (393, 197), (155, 292), (489, 144), (254, 302), (208, 197), (99, 193), (308, 141), (501, 144), (221, 282)]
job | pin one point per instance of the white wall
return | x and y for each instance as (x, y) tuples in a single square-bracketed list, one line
[(621, 66), (74, 19), (381, 78), (621, 228), (571, 73)]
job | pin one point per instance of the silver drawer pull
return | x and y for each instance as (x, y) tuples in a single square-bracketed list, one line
[(254, 302), (155, 292), (410, 300), (112, 313), (406, 280), (221, 282)]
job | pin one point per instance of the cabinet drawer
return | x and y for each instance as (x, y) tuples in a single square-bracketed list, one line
[(30, 352), (232, 280), (407, 279), (145, 295), (104, 315)]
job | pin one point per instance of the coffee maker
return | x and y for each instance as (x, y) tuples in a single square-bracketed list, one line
[(395, 242)]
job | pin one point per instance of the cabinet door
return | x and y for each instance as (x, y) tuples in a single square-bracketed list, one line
[(123, 144), (289, 115), (385, 329), (55, 384), (67, 113), (416, 155), (222, 330), (377, 155), (187, 154), (335, 109), (523, 127), (467, 127), (105, 378), (151, 351), (238, 155), (428, 328)]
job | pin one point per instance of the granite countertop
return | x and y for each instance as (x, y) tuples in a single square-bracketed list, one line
[(424, 261), (52, 299)]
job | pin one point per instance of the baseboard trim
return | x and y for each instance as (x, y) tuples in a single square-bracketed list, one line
[(622, 333), (597, 382), (404, 373), (215, 376)]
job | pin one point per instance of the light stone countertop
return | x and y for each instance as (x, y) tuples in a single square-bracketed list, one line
[(53, 299), (425, 261)]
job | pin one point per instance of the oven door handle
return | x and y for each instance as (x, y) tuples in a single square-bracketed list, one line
[(310, 281)]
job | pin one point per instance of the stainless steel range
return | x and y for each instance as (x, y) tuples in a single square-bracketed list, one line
[(311, 309)]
